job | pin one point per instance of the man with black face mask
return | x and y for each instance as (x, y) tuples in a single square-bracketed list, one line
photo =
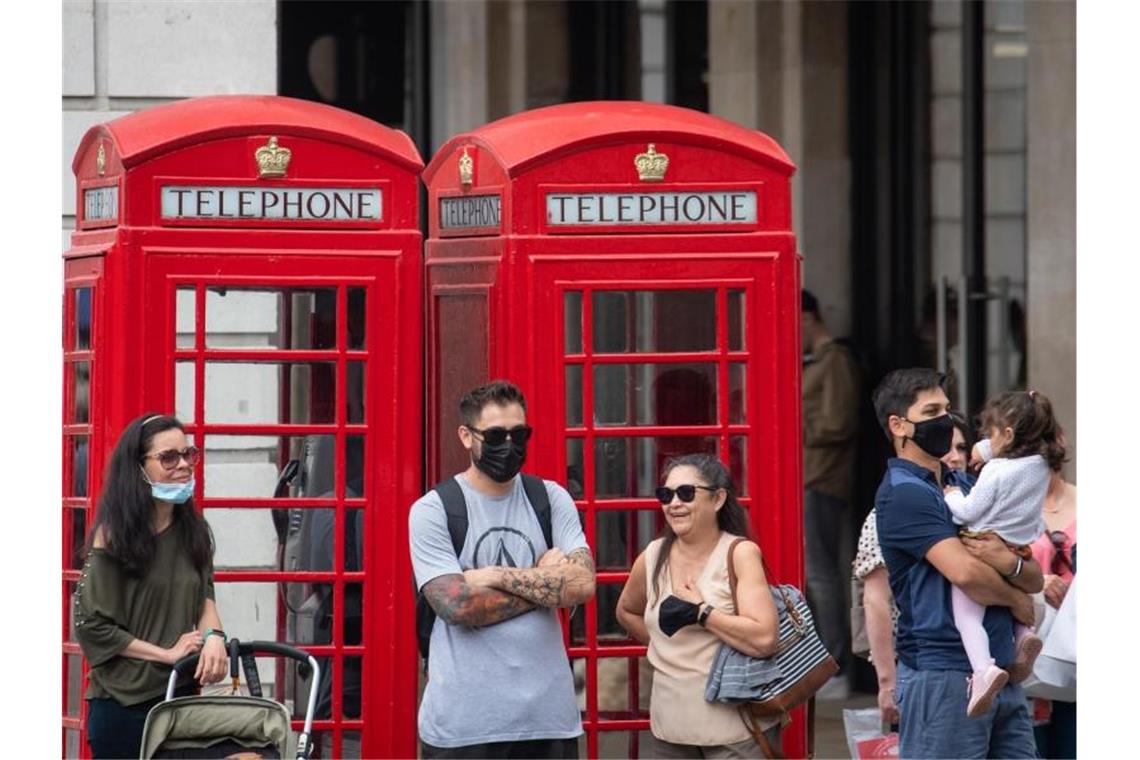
[(924, 557), (499, 683)]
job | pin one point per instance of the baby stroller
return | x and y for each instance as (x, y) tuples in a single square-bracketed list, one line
[(245, 727)]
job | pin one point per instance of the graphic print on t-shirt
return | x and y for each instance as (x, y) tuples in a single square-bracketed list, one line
[(504, 547)]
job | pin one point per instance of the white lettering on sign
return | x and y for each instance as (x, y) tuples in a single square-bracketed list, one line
[(101, 204), (703, 207), (469, 212), (332, 204)]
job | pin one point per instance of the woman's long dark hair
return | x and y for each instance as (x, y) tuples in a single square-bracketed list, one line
[(730, 518), (126, 507)]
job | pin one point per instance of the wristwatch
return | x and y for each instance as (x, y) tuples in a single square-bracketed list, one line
[(703, 617)]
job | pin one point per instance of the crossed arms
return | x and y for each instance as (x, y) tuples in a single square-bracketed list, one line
[(490, 595)]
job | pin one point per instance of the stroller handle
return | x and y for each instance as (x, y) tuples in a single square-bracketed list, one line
[(238, 649)]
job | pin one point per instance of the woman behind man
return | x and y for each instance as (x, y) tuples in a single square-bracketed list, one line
[(678, 601), (146, 596)]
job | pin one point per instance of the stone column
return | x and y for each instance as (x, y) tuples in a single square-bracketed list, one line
[(781, 67), (459, 68), (1052, 252)]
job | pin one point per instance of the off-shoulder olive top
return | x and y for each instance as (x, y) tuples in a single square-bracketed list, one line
[(111, 608)]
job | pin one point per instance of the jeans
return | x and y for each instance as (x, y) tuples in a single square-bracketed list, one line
[(933, 722), (825, 518), (114, 730)]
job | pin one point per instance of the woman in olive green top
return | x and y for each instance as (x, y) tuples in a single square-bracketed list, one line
[(146, 596)]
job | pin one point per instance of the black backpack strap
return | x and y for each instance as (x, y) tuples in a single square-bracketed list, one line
[(539, 500), (455, 506)]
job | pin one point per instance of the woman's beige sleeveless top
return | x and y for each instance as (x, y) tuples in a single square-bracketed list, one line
[(678, 711)]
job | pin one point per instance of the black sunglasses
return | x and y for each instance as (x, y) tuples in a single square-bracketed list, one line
[(168, 459), (685, 493), (1057, 538), (496, 436)]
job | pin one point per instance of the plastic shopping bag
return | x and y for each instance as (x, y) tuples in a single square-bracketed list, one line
[(1055, 672), (865, 738)]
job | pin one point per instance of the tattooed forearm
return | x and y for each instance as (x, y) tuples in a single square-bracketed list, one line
[(566, 584), (459, 603)]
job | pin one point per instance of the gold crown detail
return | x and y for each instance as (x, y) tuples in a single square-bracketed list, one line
[(272, 161), (101, 160), (651, 165), (466, 169)]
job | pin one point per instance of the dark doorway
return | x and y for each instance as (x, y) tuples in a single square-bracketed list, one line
[(365, 57)]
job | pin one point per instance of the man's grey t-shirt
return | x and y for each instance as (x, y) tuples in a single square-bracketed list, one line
[(510, 681)]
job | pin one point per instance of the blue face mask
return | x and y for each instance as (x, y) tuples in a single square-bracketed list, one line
[(174, 493)]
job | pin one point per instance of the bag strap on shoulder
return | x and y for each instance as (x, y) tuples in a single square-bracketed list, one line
[(455, 507), (539, 500)]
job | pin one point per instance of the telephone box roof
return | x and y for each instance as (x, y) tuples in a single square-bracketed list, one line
[(142, 135), (520, 141)]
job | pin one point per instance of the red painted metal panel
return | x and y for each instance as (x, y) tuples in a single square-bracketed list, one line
[(530, 266)]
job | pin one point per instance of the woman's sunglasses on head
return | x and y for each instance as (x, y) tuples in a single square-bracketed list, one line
[(169, 458), (496, 436), (685, 493)]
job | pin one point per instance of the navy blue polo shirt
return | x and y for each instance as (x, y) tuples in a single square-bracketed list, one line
[(912, 517)]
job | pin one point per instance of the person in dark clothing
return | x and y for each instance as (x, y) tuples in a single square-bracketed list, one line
[(831, 395)]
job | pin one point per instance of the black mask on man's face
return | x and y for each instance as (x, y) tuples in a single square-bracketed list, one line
[(934, 436), (502, 462)]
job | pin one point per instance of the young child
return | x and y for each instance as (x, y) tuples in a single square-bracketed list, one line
[(1020, 452)]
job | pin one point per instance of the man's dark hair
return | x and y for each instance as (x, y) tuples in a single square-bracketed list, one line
[(499, 392), (809, 303), (899, 390)]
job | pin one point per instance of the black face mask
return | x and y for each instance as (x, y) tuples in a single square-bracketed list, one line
[(934, 436), (502, 462)]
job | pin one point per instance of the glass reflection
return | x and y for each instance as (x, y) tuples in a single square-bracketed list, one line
[(654, 320)]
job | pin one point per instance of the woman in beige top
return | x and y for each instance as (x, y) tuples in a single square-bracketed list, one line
[(685, 570)]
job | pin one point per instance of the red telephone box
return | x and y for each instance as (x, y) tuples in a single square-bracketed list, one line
[(632, 266), (251, 264)]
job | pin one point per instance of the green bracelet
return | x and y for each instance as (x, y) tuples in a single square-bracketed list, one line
[(214, 632)]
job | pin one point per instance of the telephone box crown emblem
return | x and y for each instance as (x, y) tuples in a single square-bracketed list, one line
[(272, 161), (466, 169), (101, 160), (651, 165)]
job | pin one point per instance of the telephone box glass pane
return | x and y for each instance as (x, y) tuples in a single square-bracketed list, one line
[(72, 742), (573, 395), (609, 629), (621, 535), (572, 305), (354, 618), (354, 393), (83, 319), (736, 322), (631, 467), (284, 318), (640, 321), (738, 463), (81, 388), (249, 466), (575, 467), (184, 379), (78, 537), (74, 684), (71, 610), (660, 394), (306, 611), (251, 393), (357, 319), (79, 465), (737, 394), (616, 676), (184, 310)]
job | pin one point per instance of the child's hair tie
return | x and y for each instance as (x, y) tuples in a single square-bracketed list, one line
[(1033, 395)]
